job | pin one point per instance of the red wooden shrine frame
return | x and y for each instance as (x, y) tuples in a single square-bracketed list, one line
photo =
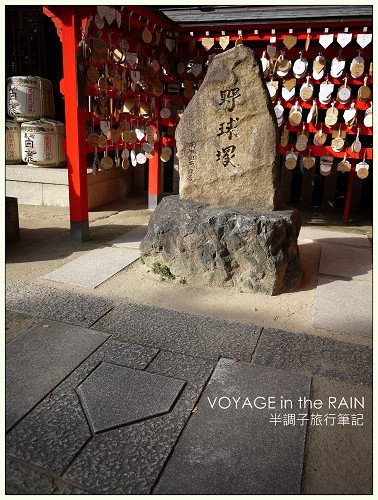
[(70, 20)]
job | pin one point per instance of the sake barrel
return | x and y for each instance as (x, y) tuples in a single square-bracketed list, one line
[(29, 98), (12, 142), (41, 143)]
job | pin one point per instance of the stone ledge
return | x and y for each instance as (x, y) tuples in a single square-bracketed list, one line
[(225, 245), (26, 173), (49, 186), (45, 175)]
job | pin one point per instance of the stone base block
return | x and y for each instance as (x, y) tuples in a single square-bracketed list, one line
[(12, 228), (225, 246)]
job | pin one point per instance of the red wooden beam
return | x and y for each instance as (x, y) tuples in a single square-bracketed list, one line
[(298, 27), (138, 10), (53, 13), (154, 175), (75, 130)]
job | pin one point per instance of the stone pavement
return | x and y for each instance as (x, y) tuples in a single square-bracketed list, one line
[(119, 405), (108, 395), (344, 293)]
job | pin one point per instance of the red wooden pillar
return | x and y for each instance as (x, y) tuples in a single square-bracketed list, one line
[(349, 191), (75, 127), (154, 175)]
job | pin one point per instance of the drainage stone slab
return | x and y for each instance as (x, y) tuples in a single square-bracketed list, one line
[(314, 355), (346, 262), (189, 334), (114, 395), (95, 267), (141, 449), (57, 305), (131, 239), (52, 434), (240, 450), (344, 306), (38, 360)]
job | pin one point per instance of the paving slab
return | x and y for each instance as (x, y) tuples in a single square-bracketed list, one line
[(114, 395), (23, 479), (38, 360), (95, 267), (131, 239), (344, 306), (57, 305), (68, 489), (314, 355), (190, 334), (346, 262), (53, 433), (16, 324), (140, 449), (339, 237), (339, 457), (229, 450)]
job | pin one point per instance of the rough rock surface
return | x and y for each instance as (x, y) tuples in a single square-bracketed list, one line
[(227, 137), (225, 245)]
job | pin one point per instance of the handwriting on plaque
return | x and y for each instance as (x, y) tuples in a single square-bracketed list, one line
[(228, 97)]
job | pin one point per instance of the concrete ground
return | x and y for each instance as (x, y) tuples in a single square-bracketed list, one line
[(177, 331)]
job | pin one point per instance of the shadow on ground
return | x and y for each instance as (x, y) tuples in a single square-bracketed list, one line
[(43, 244)]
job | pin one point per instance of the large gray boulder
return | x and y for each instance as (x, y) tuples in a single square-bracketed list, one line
[(227, 138), (225, 245)]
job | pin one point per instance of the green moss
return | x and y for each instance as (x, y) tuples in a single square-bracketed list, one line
[(164, 271)]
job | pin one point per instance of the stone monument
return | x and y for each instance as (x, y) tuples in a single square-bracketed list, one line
[(227, 227)]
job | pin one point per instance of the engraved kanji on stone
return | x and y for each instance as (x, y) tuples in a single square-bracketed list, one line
[(228, 97), (229, 128), (191, 163), (226, 155)]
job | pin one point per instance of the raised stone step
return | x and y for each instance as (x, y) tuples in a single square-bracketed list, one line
[(240, 450), (131, 239), (94, 267)]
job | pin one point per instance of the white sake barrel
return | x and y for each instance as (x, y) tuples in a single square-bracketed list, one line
[(30, 98), (41, 143), (12, 142)]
